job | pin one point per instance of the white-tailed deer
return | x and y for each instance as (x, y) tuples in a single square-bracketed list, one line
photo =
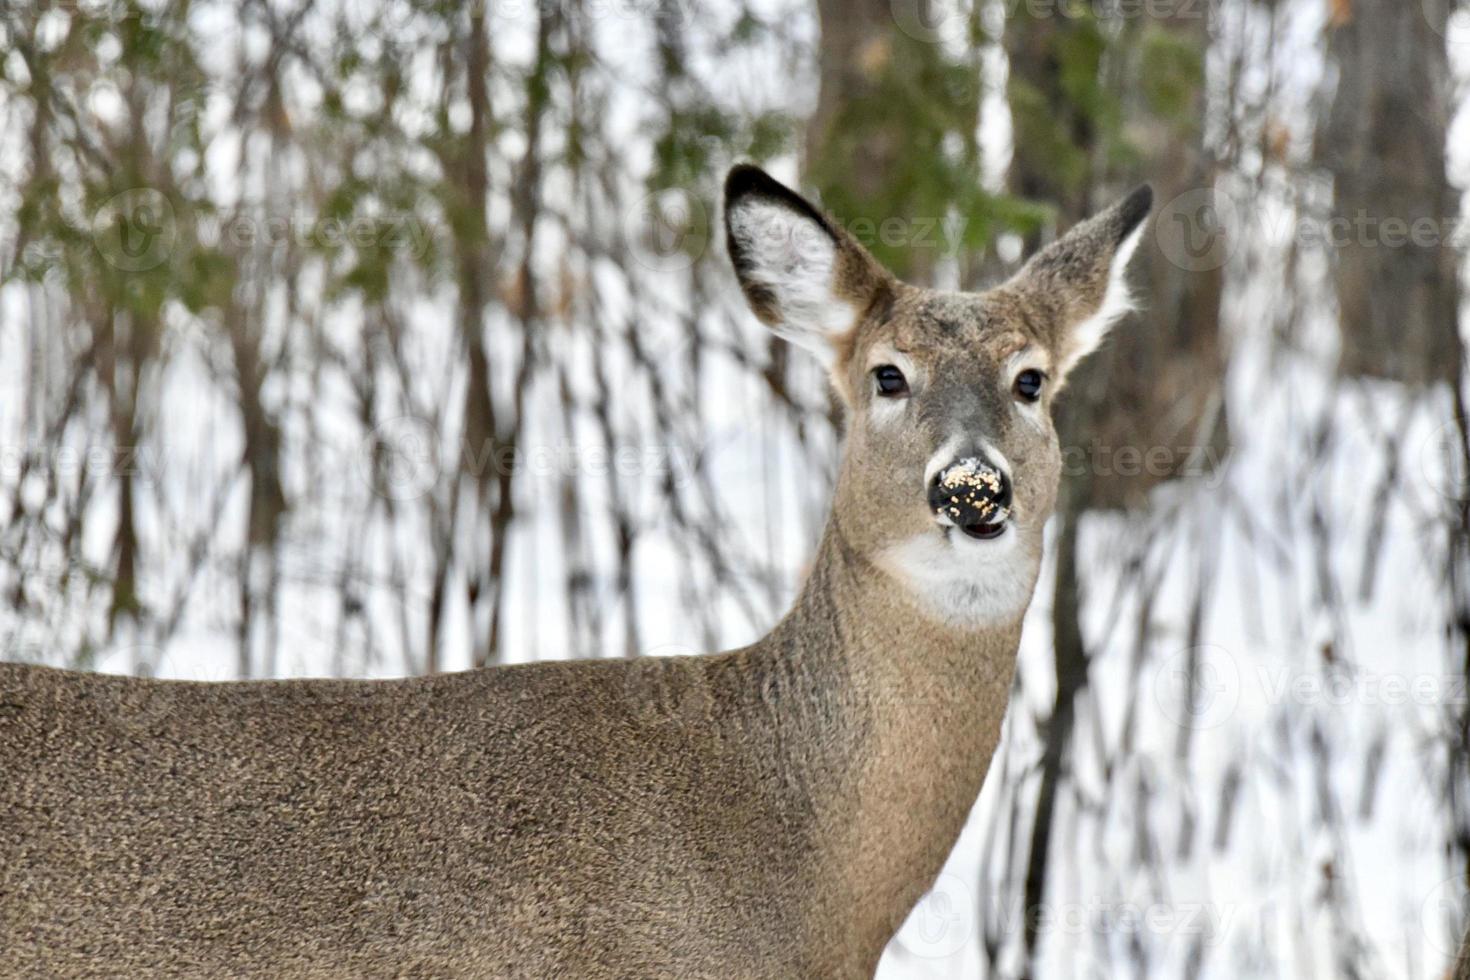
[(769, 812)]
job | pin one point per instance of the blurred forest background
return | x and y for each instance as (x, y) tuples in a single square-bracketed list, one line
[(375, 337)]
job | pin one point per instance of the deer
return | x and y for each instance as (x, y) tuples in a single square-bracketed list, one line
[(773, 811)]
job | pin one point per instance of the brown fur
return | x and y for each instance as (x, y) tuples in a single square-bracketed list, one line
[(770, 812)]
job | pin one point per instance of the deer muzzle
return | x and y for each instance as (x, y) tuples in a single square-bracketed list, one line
[(973, 496)]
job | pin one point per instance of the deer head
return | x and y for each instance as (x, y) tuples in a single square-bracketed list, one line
[(952, 464)]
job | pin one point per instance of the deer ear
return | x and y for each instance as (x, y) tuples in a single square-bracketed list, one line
[(803, 276), (1079, 283)]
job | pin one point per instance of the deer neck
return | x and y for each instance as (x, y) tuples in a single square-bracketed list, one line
[(919, 706)]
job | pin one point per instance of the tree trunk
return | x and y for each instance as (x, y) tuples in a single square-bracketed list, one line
[(859, 38), (891, 148), (1384, 143)]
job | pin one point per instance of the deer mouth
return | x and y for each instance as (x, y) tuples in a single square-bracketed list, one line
[(978, 527), (984, 532)]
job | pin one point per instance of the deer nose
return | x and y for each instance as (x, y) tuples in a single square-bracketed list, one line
[(973, 494)]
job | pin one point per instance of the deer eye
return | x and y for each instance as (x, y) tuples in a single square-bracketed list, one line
[(1028, 385), (891, 382)]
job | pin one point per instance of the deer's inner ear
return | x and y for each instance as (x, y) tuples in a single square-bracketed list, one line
[(803, 276), (1079, 284)]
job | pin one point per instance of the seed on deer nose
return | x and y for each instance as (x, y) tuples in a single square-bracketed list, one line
[(970, 492)]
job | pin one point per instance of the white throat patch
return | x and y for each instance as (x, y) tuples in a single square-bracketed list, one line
[(962, 582)]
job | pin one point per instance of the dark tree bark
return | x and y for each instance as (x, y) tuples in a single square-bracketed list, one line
[(857, 50), (1055, 138), (893, 135), (1384, 143)]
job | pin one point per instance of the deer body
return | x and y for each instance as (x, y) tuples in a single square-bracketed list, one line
[(769, 812), (748, 814)]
